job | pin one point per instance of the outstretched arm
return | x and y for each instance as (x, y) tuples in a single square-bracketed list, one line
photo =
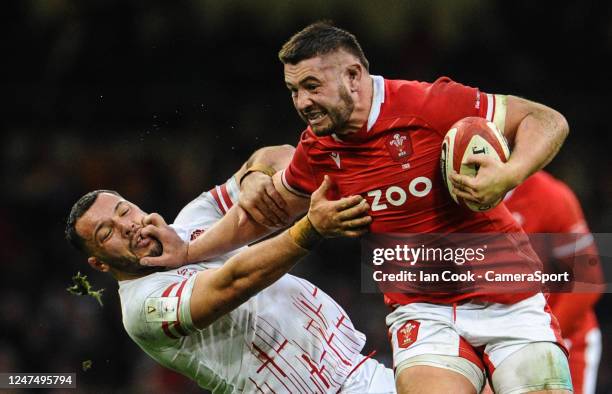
[(218, 291), (258, 192), (535, 132), (234, 230)]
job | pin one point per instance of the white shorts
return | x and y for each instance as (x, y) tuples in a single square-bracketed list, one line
[(483, 333), (371, 377)]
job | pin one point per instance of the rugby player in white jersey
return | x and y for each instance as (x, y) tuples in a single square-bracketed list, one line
[(237, 323)]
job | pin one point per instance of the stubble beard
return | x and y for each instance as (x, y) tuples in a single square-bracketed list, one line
[(338, 116), (131, 264)]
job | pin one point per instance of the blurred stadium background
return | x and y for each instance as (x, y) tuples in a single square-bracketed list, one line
[(161, 100)]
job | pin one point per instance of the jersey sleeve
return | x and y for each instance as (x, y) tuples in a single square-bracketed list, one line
[(226, 195), (298, 177), (447, 101), (156, 313), (570, 223), (205, 210)]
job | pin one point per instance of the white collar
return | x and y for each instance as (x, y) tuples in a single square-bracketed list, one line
[(378, 97)]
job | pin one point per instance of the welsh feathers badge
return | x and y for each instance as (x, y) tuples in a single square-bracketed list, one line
[(399, 145), (408, 333)]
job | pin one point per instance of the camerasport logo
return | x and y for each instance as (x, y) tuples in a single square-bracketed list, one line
[(408, 333)]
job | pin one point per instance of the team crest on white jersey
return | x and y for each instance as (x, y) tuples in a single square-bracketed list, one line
[(336, 158), (187, 272)]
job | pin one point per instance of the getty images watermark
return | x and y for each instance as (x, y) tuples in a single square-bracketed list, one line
[(459, 256), (483, 263)]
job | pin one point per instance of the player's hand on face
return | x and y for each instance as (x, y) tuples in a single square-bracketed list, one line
[(174, 252), (490, 184), (260, 199), (347, 217)]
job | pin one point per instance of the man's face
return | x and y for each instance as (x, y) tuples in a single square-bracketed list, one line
[(112, 228), (319, 93)]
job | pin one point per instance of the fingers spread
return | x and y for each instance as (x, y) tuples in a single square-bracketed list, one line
[(465, 184), (348, 202), (464, 188), (260, 217), (467, 196), (355, 211), (268, 207), (276, 197), (463, 181)]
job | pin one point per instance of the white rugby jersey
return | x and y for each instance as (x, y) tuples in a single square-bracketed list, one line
[(289, 338)]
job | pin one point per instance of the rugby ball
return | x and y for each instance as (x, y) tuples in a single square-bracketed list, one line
[(471, 136)]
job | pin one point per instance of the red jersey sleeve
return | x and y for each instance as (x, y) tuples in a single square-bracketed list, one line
[(570, 220), (298, 177), (447, 101)]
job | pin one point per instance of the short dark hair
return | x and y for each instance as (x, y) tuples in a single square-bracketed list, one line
[(318, 39), (78, 210)]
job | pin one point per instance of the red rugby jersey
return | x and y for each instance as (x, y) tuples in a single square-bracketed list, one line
[(543, 204), (393, 161)]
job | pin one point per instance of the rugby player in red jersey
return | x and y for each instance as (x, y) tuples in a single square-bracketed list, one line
[(381, 139), (543, 204)]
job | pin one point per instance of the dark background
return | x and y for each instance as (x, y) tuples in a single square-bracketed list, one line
[(161, 100)]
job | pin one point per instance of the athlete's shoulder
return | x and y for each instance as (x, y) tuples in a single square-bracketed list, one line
[(430, 99), (545, 193), (152, 304), (567, 202), (133, 295), (403, 92), (406, 89), (308, 139)]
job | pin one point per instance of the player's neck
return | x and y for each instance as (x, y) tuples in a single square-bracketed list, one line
[(363, 106), (120, 275)]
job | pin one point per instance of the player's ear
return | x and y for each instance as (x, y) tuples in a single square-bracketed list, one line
[(97, 264), (354, 73)]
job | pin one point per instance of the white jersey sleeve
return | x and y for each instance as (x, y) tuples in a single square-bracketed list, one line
[(156, 308), (157, 316), (206, 209)]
